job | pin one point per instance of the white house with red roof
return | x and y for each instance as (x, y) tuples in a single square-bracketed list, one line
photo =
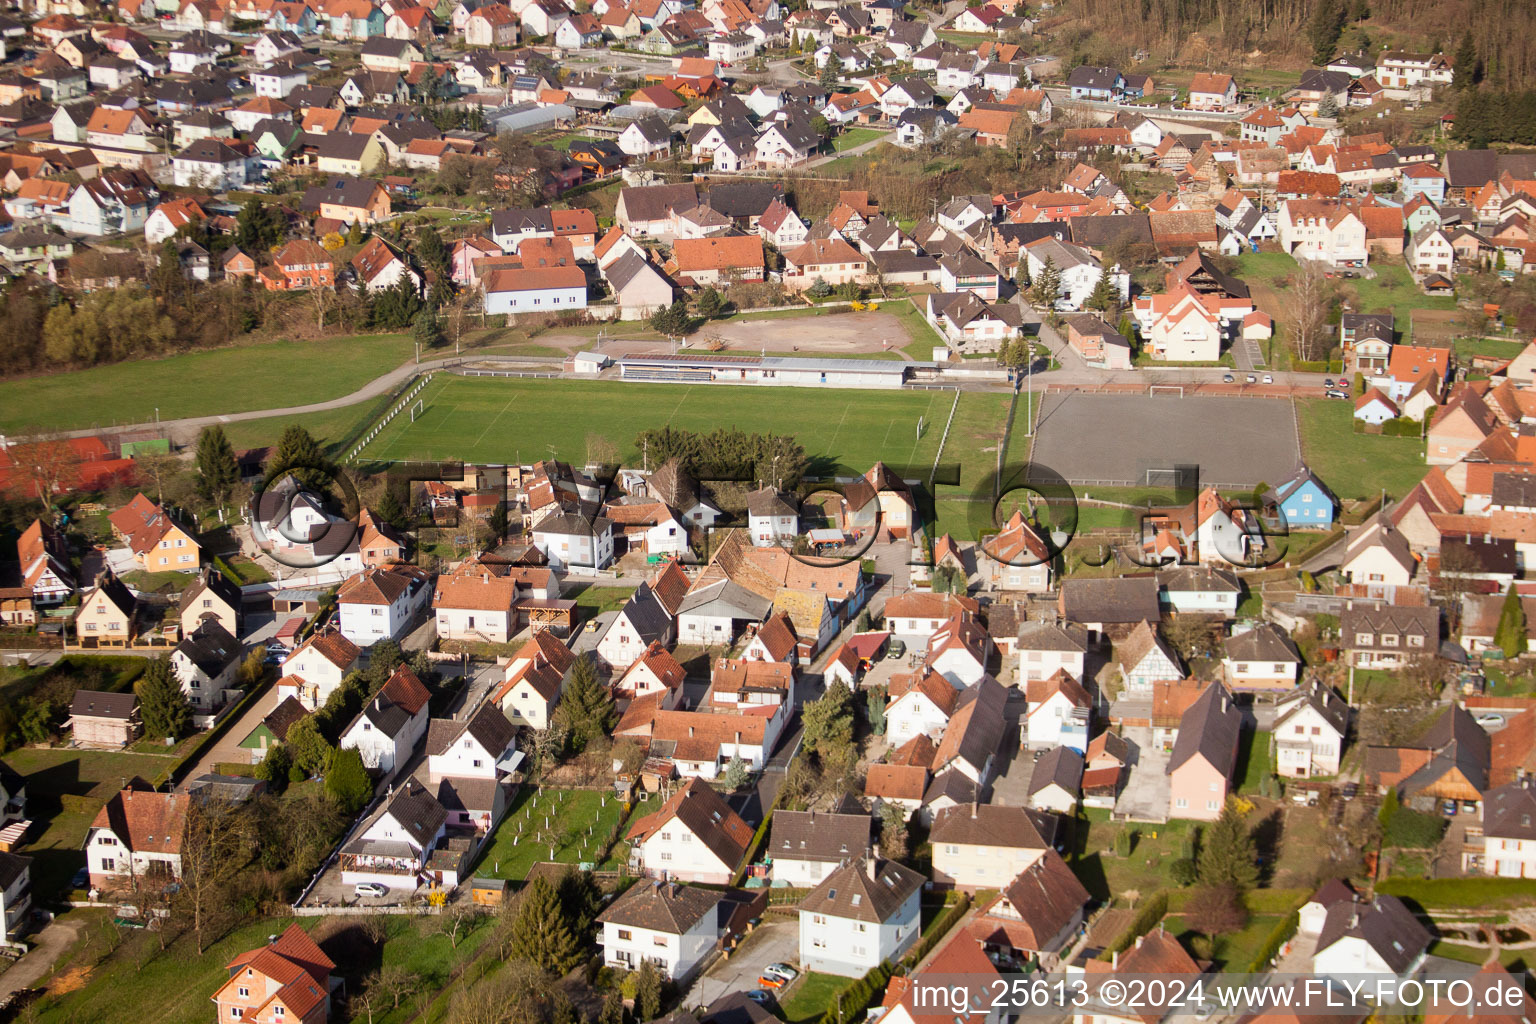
[(1210, 91), (382, 603), (388, 728), (137, 834), (315, 670)]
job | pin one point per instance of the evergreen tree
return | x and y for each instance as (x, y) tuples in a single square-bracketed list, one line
[(540, 934), (1324, 28), (648, 992), (259, 227), (427, 329), (586, 706), (828, 720), (827, 78), (311, 753), (1511, 633), (673, 319), (162, 704), (432, 252), (390, 510), (347, 781), (168, 284), (299, 453), (274, 768), (1328, 106), (1466, 62), (1227, 853), (1047, 284), (581, 900), (819, 288), (736, 774), (893, 831), (709, 304), (1105, 297), (217, 470)]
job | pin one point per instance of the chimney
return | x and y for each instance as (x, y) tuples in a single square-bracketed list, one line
[(1138, 940), (869, 867), (973, 810)]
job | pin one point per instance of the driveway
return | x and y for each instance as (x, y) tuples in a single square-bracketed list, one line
[(773, 941), (1145, 796), (228, 747), (51, 943)]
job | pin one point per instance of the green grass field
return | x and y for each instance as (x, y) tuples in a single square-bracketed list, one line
[(856, 137), (518, 846), (280, 373), (1356, 465), (515, 420), (58, 833)]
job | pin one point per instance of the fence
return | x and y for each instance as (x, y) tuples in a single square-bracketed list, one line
[(394, 411), (943, 438), (545, 374)]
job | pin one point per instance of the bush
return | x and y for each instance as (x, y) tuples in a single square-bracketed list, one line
[(941, 927), (1273, 941), (1151, 912), (1183, 872)]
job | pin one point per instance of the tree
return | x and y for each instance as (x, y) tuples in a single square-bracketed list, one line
[(1459, 568), (49, 465), (540, 934), (648, 992), (220, 837), (1105, 296), (1466, 62), (426, 329), (217, 470), (1227, 853), (819, 288), (736, 774), (581, 900), (299, 453), (673, 319), (433, 253), (347, 781), (893, 831), (1216, 909), (259, 227), (827, 77), (1047, 284), (875, 710), (162, 703), (1511, 633), (709, 304), (828, 720), (1324, 28), (1306, 311), (386, 986), (274, 768), (586, 705), (311, 753), (1328, 106)]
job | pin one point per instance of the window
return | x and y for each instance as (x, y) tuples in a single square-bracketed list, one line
[(1210, 805), (243, 991), (108, 864), (1389, 639), (235, 1012), (624, 933), (106, 841), (1363, 639), (659, 940), (1181, 802), (277, 1011), (1415, 641)]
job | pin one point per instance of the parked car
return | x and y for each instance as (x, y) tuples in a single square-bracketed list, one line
[(1252, 379), (374, 889), (1448, 808), (1350, 790), (784, 971), (1490, 719), (895, 649), (760, 997), (1228, 378), (1469, 807), (771, 982), (1337, 394), (1327, 382), (1269, 378)]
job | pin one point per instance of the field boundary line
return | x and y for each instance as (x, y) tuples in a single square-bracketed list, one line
[(934, 472)]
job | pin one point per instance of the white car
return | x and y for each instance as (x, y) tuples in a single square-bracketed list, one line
[(783, 972), (370, 889), (1490, 719), (1269, 378)]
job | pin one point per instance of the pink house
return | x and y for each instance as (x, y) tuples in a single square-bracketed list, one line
[(1204, 756)]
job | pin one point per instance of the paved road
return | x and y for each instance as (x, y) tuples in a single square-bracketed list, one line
[(228, 747), (52, 942), (863, 147)]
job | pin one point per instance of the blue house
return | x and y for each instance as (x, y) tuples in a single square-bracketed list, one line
[(1306, 502), (1091, 83)]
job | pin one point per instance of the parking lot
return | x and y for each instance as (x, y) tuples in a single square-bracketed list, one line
[(773, 941), (1145, 794)]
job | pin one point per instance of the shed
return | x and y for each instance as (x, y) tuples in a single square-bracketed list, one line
[(104, 720), (487, 892)]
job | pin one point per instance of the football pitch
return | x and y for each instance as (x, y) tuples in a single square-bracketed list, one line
[(520, 420)]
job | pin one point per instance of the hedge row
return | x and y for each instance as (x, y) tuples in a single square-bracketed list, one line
[(946, 920), (1151, 912), (851, 1002)]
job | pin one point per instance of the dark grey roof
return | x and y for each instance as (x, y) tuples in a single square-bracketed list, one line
[(867, 889), (1086, 77), (99, 704), (517, 222), (11, 868), (744, 199), (1517, 489), (819, 836), (630, 266), (1061, 766), (662, 906), (1322, 699), (340, 190), (1319, 80), (950, 784), (417, 811), (1047, 636), (215, 581), (210, 647), (1385, 924), (1098, 232), (1509, 812), (1399, 620), (645, 612), (489, 727), (1011, 828), (767, 501), (1210, 728), (736, 1008)]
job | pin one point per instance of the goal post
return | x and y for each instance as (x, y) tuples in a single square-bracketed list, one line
[(1176, 389), (1170, 477), (418, 408)]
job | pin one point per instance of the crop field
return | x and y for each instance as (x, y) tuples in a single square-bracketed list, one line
[(502, 420)]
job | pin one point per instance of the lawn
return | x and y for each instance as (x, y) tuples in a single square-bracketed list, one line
[(1255, 759), (1392, 289), (580, 820), (856, 137), (517, 420), (279, 373), (1107, 875), (1356, 465), (963, 491), (592, 600), (82, 779), (813, 995), (1233, 951), (1389, 689), (1462, 893)]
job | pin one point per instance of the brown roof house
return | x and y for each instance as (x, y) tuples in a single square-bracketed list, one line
[(694, 836), (983, 846), (672, 926), (136, 838), (807, 846), (1204, 757), (1037, 914), (863, 913), (105, 721)]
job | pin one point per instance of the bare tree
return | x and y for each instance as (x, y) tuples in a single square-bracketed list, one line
[(453, 920), (322, 299), (1306, 311), (601, 451), (50, 464), (458, 311), (217, 846), (1458, 566)]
